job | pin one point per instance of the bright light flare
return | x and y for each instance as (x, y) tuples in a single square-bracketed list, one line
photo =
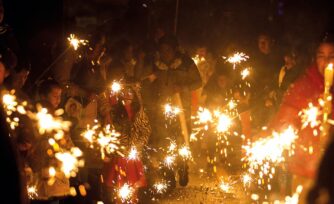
[(204, 115), (169, 161), (32, 192), (116, 87)]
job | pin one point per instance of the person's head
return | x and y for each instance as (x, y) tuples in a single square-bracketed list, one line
[(325, 53), (264, 43), (168, 46), (7, 62), (19, 76), (2, 12), (50, 91), (224, 74)]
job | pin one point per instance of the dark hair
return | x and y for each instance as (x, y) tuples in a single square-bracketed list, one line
[(120, 46), (46, 87), (8, 58), (327, 38), (169, 40)]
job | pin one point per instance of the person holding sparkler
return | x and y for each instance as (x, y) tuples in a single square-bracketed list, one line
[(132, 122), (308, 88), (52, 185)]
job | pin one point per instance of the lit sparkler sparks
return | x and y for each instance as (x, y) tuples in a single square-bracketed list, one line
[(11, 106), (310, 116), (237, 58), (171, 111), (76, 42), (70, 162), (245, 73), (224, 123), (204, 115), (169, 161), (246, 180), (185, 152), (48, 123), (160, 187), (125, 192), (32, 192), (270, 150), (107, 139), (225, 187), (133, 154)]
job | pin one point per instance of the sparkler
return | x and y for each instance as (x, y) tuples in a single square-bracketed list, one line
[(224, 123), (185, 152), (237, 58), (32, 192), (225, 187), (160, 187), (171, 111), (133, 154), (169, 161), (107, 139), (310, 116), (125, 192), (70, 162), (48, 123), (76, 42)]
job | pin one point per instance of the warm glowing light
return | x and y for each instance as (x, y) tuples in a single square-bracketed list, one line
[(125, 192), (76, 42)]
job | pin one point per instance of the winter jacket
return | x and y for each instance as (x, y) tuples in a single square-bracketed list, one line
[(307, 89)]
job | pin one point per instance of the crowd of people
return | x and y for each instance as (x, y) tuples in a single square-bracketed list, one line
[(283, 81)]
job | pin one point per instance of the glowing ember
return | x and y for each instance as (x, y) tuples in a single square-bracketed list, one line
[(76, 42), (246, 179)]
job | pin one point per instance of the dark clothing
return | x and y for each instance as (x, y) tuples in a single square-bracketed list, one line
[(14, 187), (325, 177), (87, 76), (264, 86)]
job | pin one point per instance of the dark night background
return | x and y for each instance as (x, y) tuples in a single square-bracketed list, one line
[(37, 24)]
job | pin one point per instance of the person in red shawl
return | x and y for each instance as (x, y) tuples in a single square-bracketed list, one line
[(308, 88), (132, 122)]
